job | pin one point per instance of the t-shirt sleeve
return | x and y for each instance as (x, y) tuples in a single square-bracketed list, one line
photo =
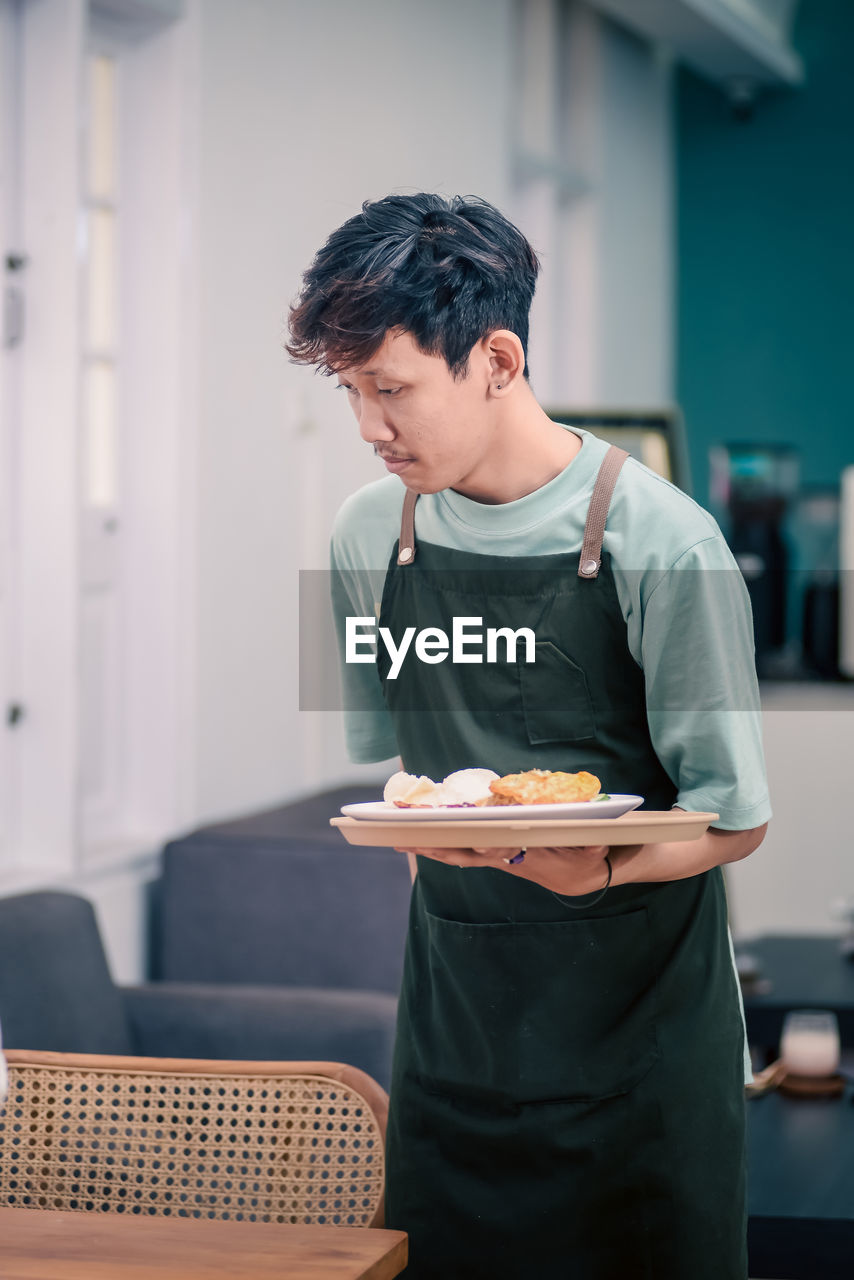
[(357, 593), (701, 688)]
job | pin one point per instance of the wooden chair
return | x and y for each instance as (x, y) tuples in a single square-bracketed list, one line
[(289, 1142)]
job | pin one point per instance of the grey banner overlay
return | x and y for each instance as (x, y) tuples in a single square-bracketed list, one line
[(699, 643)]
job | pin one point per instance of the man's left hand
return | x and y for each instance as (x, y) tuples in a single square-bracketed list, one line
[(571, 871)]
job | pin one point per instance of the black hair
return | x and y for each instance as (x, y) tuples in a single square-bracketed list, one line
[(448, 271)]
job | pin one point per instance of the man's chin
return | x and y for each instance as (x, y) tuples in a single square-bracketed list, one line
[(421, 486), (418, 479)]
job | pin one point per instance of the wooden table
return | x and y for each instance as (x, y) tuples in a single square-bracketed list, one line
[(39, 1244)]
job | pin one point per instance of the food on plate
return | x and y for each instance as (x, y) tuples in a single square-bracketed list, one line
[(541, 786), (408, 792), (461, 790), (472, 788)]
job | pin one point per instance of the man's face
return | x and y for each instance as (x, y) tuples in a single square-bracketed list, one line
[(431, 429)]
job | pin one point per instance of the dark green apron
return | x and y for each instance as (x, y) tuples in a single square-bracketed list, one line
[(567, 1095)]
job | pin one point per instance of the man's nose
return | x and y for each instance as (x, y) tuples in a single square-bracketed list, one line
[(373, 425)]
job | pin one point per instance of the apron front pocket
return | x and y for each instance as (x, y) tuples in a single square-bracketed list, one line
[(536, 1011), (556, 699)]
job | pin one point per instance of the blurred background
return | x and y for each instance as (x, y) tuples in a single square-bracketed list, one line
[(167, 170)]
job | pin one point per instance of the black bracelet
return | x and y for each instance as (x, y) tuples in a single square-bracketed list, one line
[(584, 905)]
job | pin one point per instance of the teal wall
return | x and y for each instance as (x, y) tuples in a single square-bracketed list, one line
[(765, 293)]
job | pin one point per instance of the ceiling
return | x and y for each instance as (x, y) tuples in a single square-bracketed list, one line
[(735, 43)]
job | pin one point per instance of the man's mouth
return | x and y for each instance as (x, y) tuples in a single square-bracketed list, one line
[(394, 462)]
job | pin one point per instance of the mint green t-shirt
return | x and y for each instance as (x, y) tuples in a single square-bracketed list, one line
[(687, 613)]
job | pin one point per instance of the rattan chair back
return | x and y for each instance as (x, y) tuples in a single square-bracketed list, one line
[(289, 1142)]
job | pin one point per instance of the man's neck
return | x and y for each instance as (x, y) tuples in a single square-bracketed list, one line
[(530, 450)]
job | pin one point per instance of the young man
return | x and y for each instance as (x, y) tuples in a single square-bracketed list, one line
[(567, 1097)]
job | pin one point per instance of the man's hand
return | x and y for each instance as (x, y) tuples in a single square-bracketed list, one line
[(581, 870), (568, 871)]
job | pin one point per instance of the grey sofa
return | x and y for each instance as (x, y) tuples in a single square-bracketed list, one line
[(56, 993)]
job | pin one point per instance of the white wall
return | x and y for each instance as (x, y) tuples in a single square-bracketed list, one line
[(804, 867)]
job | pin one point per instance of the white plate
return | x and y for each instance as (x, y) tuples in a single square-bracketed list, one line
[(379, 811)]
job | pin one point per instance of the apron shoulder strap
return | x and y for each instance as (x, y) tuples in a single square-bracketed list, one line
[(597, 512), (406, 545), (594, 528)]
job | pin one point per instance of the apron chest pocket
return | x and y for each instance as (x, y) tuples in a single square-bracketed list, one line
[(536, 1011), (555, 697)]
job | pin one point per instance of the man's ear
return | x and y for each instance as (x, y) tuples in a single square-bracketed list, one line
[(506, 361)]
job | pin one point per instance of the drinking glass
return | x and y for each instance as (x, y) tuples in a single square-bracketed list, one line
[(810, 1043)]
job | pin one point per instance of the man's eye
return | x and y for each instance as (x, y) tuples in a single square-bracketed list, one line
[(389, 391), (342, 386)]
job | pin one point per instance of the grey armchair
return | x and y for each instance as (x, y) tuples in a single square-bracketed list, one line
[(56, 993)]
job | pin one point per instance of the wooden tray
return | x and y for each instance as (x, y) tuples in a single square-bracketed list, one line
[(638, 827)]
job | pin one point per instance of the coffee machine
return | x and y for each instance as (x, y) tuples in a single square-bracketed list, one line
[(752, 488)]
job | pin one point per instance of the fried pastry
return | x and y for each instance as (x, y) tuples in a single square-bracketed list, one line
[(541, 786)]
